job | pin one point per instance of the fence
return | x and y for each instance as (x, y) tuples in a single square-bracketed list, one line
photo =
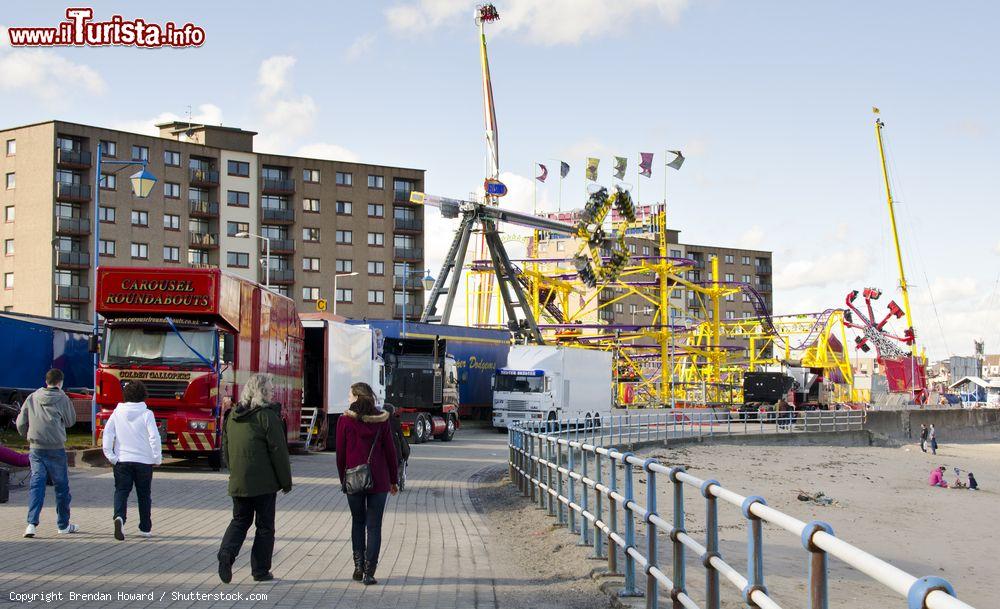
[(560, 465)]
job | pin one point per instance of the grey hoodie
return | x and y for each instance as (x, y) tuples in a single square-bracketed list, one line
[(44, 417)]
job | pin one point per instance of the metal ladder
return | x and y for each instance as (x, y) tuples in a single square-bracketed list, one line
[(307, 424)]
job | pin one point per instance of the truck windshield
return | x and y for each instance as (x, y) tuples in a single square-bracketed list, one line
[(157, 346), (520, 384)]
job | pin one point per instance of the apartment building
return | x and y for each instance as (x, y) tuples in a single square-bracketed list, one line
[(216, 203)]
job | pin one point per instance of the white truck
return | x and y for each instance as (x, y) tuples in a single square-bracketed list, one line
[(336, 355), (552, 382)]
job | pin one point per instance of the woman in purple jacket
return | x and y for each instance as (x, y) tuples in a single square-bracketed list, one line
[(361, 432)]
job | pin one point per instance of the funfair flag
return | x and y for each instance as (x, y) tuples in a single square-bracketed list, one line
[(563, 169), (620, 164), (646, 164), (544, 174), (592, 164), (677, 162)]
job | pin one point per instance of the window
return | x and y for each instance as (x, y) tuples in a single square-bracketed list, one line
[(730, 314), (344, 208), (106, 214), (376, 267), (310, 206), (140, 251), (171, 158), (376, 297), (376, 210), (274, 202), (376, 239), (675, 253), (745, 260), (746, 279), (311, 294), (233, 228), (746, 298), (310, 264), (645, 250), (274, 173), (345, 237), (619, 307), (345, 295), (107, 247), (11, 181), (402, 189), (729, 277), (310, 234), (561, 245), (376, 182), (141, 218), (140, 153), (310, 175), (8, 247), (68, 177), (631, 248), (198, 257), (171, 253), (236, 198), (8, 281), (730, 259), (171, 221), (171, 190), (239, 169), (11, 147), (730, 297), (345, 179), (239, 260), (109, 148), (109, 181), (675, 294)]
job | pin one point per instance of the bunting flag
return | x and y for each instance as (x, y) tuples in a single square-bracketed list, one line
[(646, 164), (677, 162), (545, 173), (620, 164), (592, 164), (563, 169)]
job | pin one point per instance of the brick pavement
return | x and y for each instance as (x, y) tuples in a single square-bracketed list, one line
[(436, 547)]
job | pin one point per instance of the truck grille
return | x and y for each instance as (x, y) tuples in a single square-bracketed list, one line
[(517, 405), (166, 390)]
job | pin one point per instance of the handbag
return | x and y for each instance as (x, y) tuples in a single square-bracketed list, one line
[(358, 479)]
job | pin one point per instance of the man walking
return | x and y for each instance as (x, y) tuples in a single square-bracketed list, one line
[(923, 437), (132, 445), (932, 437), (43, 419)]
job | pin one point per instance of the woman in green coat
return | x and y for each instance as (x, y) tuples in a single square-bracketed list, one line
[(255, 448)]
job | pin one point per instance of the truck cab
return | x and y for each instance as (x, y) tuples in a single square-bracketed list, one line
[(521, 395)]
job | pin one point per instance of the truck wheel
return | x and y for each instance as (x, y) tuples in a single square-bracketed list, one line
[(449, 431), (419, 430), (215, 460)]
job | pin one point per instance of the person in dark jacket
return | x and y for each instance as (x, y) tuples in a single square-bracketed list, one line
[(402, 445), (256, 450), (364, 433), (923, 437)]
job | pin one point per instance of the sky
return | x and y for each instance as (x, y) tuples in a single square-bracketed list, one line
[(769, 101)]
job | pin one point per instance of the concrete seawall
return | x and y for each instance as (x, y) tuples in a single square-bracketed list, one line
[(952, 425), (823, 438)]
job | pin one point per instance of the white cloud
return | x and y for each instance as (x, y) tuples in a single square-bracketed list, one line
[(841, 267), (360, 46), (284, 116), (546, 22), (206, 114), (996, 248), (752, 239), (321, 150), (273, 75), (48, 76)]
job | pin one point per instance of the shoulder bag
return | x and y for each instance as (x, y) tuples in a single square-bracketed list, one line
[(358, 479)]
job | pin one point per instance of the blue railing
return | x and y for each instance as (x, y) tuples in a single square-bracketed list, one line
[(572, 469)]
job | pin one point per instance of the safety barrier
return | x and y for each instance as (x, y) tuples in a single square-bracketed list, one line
[(561, 466)]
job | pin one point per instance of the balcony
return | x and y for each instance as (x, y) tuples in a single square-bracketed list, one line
[(764, 269), (72, 293), (72, 226), (413, 282), (408, 253), (764, 287), (203, 177), (279, 246), (699, 263), (72, 260), (408, 224), (203, 209), (273, 186), (280, 276), (76, 159), (401, 196), (272, 215), (413, 311), (77, 193), (204, 240)]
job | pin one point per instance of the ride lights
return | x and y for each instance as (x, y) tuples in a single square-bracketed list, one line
[(198, 425)]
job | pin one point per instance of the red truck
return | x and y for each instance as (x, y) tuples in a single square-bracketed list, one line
[(194, 336)]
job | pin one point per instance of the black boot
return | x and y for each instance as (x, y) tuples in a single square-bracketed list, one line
[(369, 577), (359, 567)]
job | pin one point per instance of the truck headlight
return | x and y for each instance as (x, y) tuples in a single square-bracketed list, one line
[(198, 424)]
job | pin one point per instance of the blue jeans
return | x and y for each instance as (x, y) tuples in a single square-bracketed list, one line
[(366, 516), (48, 463), (140, 475)]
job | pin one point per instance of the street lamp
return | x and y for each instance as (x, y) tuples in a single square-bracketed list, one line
[(428, 283), (267, 255), (335, 298), (142, 184)]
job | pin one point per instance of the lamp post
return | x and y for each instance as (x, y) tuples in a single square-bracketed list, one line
[(267, 255), (428, 282), (142, 183), (335, 288)]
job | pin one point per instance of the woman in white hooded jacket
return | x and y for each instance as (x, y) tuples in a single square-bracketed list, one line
[(132, 445)]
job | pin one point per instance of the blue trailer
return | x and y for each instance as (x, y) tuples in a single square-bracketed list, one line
[(33, 345), (477, 352)]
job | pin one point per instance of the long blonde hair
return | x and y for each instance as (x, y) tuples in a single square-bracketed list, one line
[(259, 390)]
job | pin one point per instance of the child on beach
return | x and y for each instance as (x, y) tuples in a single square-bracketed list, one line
[(937, 477), (973, 485)]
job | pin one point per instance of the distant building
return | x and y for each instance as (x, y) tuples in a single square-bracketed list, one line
[(961, 366), (991, 366)]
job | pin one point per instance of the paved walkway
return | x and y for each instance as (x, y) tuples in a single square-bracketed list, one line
[(436, 547)]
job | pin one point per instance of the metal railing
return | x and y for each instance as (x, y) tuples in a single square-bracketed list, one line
[(571, 469), (203, 176)]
